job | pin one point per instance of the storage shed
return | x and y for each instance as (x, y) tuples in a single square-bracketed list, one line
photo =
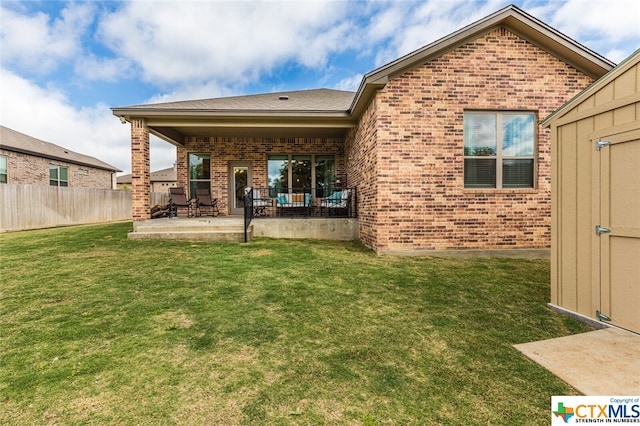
[(595, 243)]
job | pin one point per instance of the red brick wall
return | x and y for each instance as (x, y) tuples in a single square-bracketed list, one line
[(140, 172), (224, 150), (362, 172), (417, 189), (34, 170)]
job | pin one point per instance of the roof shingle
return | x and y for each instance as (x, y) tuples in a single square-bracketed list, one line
[(12, 140), (300, 100)]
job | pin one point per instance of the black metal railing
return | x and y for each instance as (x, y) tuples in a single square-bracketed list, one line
[(301, 202), (248, 210)]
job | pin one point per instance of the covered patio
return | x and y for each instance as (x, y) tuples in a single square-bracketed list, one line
[(285, 144)]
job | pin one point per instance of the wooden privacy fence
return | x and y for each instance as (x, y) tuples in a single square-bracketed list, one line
[(24, 207)]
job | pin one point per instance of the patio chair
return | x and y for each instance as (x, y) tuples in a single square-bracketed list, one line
[(177, 200), (204, 201), (337, 204), (293, 203)]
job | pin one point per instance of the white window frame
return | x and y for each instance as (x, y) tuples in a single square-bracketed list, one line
[(58, 180), (199, 182), (499, 157)]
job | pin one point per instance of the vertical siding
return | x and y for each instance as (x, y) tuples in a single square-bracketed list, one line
[(575, 280), (25, 207), (556, 223), (583, 198), (572, 213), (567, 209)]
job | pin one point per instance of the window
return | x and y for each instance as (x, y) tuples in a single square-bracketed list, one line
[(278, 173), (325, 166), (300, 171), (58, 175), (199, 172), (3, 169), (499, 149)]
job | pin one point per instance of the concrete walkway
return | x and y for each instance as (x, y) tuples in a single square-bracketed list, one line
[(602, 362)]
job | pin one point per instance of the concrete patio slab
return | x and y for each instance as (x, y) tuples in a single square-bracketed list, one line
[(191, 229), (602, 362)]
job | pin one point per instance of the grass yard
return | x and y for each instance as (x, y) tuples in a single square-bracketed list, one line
[(95, 328)]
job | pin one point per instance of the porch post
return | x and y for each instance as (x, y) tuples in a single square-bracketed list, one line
[(140, 170)]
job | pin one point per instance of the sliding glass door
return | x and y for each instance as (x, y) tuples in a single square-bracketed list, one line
[(297, 172)]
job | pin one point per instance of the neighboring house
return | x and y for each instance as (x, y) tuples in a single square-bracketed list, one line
[(161, 180), (27, 160), (595, 251), (443, 145)]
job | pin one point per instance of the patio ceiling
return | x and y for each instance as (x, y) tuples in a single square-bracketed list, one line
[(176, 129), (179, 133)]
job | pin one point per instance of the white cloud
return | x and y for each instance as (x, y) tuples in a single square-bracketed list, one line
[(610, 28), (38, 44), (91, 131), (93, 68), (613, 21), (407, 26), (177, 42), (388, 22), (350, 83)]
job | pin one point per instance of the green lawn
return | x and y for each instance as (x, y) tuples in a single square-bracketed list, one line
[(95, 328)]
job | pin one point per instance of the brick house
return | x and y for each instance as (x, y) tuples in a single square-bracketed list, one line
[(161, 180), (27, 160), (443, 145)]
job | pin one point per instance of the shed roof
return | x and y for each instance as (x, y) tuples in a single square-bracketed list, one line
[(12, 140), (623, 66)]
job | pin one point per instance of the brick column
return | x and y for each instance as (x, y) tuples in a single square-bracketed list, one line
[(140, 170)]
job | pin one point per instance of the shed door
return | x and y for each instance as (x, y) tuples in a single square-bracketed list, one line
[(620, 213)]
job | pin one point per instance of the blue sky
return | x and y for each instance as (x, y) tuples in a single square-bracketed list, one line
[(64, 64)]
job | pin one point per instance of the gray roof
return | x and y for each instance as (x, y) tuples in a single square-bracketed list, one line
[(164, 175), (19, 142), (318, 100)]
